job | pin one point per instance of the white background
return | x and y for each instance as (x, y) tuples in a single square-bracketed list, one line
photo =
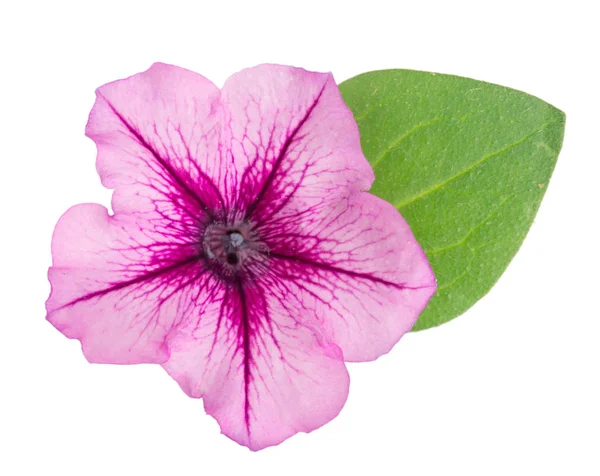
[(510, 388)]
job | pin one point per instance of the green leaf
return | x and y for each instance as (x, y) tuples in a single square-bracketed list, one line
[(465, 162)]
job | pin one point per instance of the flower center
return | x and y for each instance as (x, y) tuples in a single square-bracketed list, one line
[(232, 247)]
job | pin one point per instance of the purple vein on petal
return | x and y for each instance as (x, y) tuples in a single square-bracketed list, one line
[(335, 269), (198, 170), (137, 280), (288, 142), (222, 311), (245, 330)]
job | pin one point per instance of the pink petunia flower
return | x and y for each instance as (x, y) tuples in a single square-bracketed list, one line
[(243, 254)]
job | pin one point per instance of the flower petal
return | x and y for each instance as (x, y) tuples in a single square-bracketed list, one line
[(357, 266), (264, 369), (158, 135), (116, 287), (294, 139)]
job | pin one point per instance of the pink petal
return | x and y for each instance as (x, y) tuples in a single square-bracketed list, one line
[(158, 135), (265, 371), (116, 280), (359, 270), (116, 287), (294, 138)]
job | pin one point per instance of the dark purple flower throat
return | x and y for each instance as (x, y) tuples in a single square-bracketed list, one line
[(230, 249)]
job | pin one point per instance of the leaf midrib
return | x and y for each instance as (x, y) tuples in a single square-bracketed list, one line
[(424, 193)]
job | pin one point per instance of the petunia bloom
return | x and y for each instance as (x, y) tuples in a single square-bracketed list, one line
[(243, 254)]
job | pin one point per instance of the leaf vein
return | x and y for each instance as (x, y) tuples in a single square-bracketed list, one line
[(493, 213), (395, 143), (460, 276)]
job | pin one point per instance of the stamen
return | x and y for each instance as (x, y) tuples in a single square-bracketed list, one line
[(236, 239)]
